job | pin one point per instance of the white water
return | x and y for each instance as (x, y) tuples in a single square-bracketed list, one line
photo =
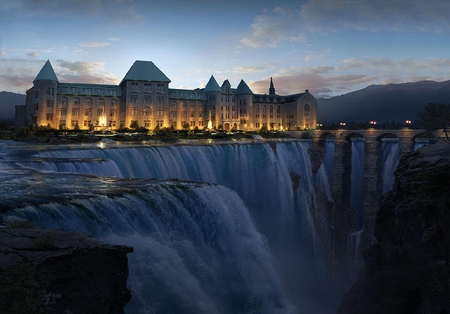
[(391, 156), (261, 177), (357, 179), (325, 174)]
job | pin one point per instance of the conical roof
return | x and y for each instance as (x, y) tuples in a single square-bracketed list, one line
[(145, 71), (243, 89), (46, 73), (212, 85)]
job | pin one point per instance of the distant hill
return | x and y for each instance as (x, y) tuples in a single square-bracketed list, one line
[(383, 103), (8, 101)]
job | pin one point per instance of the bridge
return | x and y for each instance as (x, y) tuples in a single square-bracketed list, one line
[(408, 140)]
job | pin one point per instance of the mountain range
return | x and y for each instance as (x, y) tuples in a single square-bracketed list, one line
[(382, 103), (8, 101)]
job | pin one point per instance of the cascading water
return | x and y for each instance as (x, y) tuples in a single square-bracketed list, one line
[(357, 179), (325, 174), (391, 154), (261, 174)]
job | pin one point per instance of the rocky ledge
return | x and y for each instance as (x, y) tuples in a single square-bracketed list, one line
[(408, 271), (50, 271)]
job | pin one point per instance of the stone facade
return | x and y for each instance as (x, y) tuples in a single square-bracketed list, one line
[(144, 99)]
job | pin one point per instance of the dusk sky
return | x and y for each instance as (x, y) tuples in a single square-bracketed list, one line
[(329, 47)]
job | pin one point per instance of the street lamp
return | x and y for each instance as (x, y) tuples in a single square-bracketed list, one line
[(373, 122)]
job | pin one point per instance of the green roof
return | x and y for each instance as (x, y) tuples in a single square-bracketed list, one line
[(46, 73), (243, 89), (212, 85), (145, 71)]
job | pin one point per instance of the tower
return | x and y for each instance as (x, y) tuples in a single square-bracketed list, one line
[(44, 97)]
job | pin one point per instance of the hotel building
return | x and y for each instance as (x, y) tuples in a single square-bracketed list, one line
[(143, 98)]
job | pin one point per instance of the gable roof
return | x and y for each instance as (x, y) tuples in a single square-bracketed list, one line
[(46, 73), (145, 71), (212, 85), (243, 89)]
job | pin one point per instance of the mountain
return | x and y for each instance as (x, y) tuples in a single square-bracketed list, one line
[(8, 101), (383, 103)]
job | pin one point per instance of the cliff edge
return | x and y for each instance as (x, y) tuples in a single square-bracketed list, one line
[(51, 271), (408, 271)]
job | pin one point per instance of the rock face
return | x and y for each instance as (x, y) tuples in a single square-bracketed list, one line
[(408, 271), (50, 271)]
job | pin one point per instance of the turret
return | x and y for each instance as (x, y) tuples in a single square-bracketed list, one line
[(272, 88), (44, 96)]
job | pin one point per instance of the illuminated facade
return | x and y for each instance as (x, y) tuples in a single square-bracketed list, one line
[(143, 99)]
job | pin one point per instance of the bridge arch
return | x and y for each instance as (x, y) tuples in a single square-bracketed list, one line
[(327, 135), (386, 135), (353, 135), (424, 135)]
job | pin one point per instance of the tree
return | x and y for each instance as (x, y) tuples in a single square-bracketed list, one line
[(134, 125), (435, 116)]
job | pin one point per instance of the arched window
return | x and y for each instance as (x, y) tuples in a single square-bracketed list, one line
[(75, 101), (88, 103), (264, 109), (278, 109), (101, 102), (113, 102), (257, 109), (271, 109), (147, 111), (306, 108), (63, 102), (173, 104)]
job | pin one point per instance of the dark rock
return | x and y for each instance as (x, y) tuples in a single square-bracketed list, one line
[(50, 271), (295, 180), (316, 155), (408, 271)]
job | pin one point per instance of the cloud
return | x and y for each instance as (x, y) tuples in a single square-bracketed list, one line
[(113, 39), (2, 53), (248, 69), (94, 44), (274, 27), (84, 72), (32, 55), (363, 15), (122, 12)]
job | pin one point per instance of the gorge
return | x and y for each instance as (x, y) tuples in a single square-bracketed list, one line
[(249, 227)]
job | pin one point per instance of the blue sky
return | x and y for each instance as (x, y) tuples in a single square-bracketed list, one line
[(329, 47)]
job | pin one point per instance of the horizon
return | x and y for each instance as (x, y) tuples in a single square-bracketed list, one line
[(330, 48)]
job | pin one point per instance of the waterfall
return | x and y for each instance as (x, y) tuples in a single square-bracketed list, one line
[(391, 153), (325, 174), (196, 249), (280, 212), (357, 179)]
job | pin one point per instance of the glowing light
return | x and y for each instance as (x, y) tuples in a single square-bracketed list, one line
[(408, 121), (372, 122)]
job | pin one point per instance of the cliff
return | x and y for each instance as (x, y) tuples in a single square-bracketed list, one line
[(50, 271), (408, 271)]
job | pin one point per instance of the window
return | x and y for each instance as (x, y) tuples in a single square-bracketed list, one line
[(264, 111), (75, 90), (63, 89), (173, 114), (50, 103), (75, 112), (160, 87), (147, 99), (88, 112), (62, 124), (100, 111), (147, 111), (134, 86), (134, 98), (87, 90), (113, 112), (87, 122), (113, 102), (183, 114), (63, 102), (174, 125), (271, 111), (88, 102), (36, 107), (278, 111), (160, 99), (147, 123), (75, 101), (101, 102), (192, 123), (73, 123), (159, 111), (306, 108), (36, 94), (62, 112), (257, 125), (100, 91), (51, 91), (134, 111), (147, 86), (49, 116), (160, 123), (200, 123)]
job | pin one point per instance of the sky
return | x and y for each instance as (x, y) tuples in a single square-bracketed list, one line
[(330, 47)]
